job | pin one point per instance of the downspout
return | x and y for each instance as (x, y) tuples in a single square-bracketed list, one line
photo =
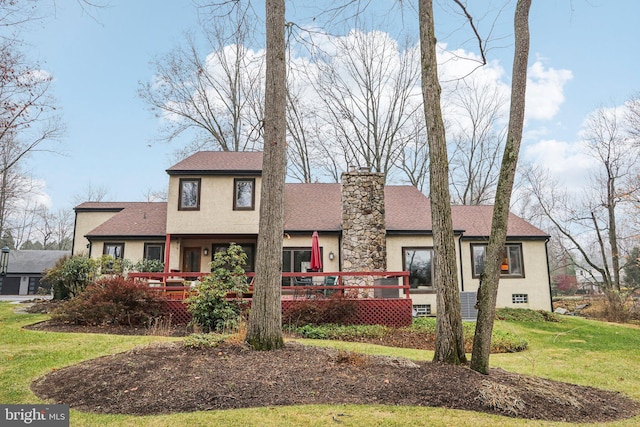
[(75, 228), (546, 252), (460, 256)]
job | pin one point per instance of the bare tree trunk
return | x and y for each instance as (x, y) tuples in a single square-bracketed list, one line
[(488, 290), (265, 324), (449, 338)]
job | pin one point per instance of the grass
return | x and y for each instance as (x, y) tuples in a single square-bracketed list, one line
[(575, 350)]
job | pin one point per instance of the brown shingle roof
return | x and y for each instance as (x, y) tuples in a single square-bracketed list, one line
[(318, 207), (312, 207), (475, 221), (217, 162), (136, 219)]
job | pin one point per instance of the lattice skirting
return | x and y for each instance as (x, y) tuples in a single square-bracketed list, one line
[(179, 313), (370, 311)]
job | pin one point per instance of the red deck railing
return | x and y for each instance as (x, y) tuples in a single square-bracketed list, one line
[(176, 286), (378, 303)]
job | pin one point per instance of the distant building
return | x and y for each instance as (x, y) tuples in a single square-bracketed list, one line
[(589, 281), (25, 269)]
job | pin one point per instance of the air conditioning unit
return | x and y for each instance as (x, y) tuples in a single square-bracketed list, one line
[(467, 305)]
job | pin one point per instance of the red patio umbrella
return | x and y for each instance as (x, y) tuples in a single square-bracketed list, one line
[(316, 256)]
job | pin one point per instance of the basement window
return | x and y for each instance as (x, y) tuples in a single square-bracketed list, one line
[(421, 310), (520, 298)]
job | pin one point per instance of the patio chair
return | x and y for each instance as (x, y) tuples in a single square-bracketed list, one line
[(330, 281), (301, 281)]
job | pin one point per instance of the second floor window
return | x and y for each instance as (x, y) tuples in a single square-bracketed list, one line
[(244, 194), (189, 194)]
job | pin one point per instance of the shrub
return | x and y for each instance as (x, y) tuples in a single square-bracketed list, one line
[(501, 341), (507, 342), (525, 315), (70, 276), (211, 307), (201, 341), (148, 266), (113, 300), (342, 332), (110, 265), (335, 309)]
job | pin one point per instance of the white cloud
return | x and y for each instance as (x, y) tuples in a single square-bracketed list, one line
[(545, 91), (566, 161)]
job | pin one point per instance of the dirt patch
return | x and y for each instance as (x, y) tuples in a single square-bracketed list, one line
[(169, 377)]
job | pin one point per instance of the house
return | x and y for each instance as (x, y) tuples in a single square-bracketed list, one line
[(363, 224), (25, 269)]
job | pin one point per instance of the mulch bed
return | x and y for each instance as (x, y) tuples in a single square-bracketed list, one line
[(169, 377)]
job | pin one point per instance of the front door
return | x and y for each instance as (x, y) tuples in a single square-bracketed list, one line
[(191, 259)]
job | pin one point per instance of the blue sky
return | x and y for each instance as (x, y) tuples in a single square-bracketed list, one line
[(97, 64)]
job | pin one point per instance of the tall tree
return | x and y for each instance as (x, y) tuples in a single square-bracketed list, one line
[(475, 158), (449, 347), (265, 323), (217, 97), (489, 279), (598, 236), (367, 84)]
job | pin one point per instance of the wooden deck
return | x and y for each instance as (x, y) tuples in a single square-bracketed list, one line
[(381, 303)]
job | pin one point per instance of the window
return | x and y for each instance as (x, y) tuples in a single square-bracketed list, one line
[(419, 263), (33, 285), (244, 194), (511, 260), (116, 250), (520, 298), (189, 194), (154, 251), (421, 310), (248, 248), (295, 260)]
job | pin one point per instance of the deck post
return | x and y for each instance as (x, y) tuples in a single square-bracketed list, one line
[(167, 252)]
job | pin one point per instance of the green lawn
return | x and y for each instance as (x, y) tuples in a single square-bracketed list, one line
[(576, 350)]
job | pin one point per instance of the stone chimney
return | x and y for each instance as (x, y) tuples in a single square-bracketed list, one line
[(364, 243)]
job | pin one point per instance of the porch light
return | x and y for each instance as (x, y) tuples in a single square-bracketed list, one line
[(331, 256), (205, 251), (4, 260)]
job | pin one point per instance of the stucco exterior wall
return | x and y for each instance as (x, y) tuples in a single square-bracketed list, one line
[(395, 244), (133, 249), (534, 284), (216, 214), (177, 244), (85, 222), (328, 244)]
